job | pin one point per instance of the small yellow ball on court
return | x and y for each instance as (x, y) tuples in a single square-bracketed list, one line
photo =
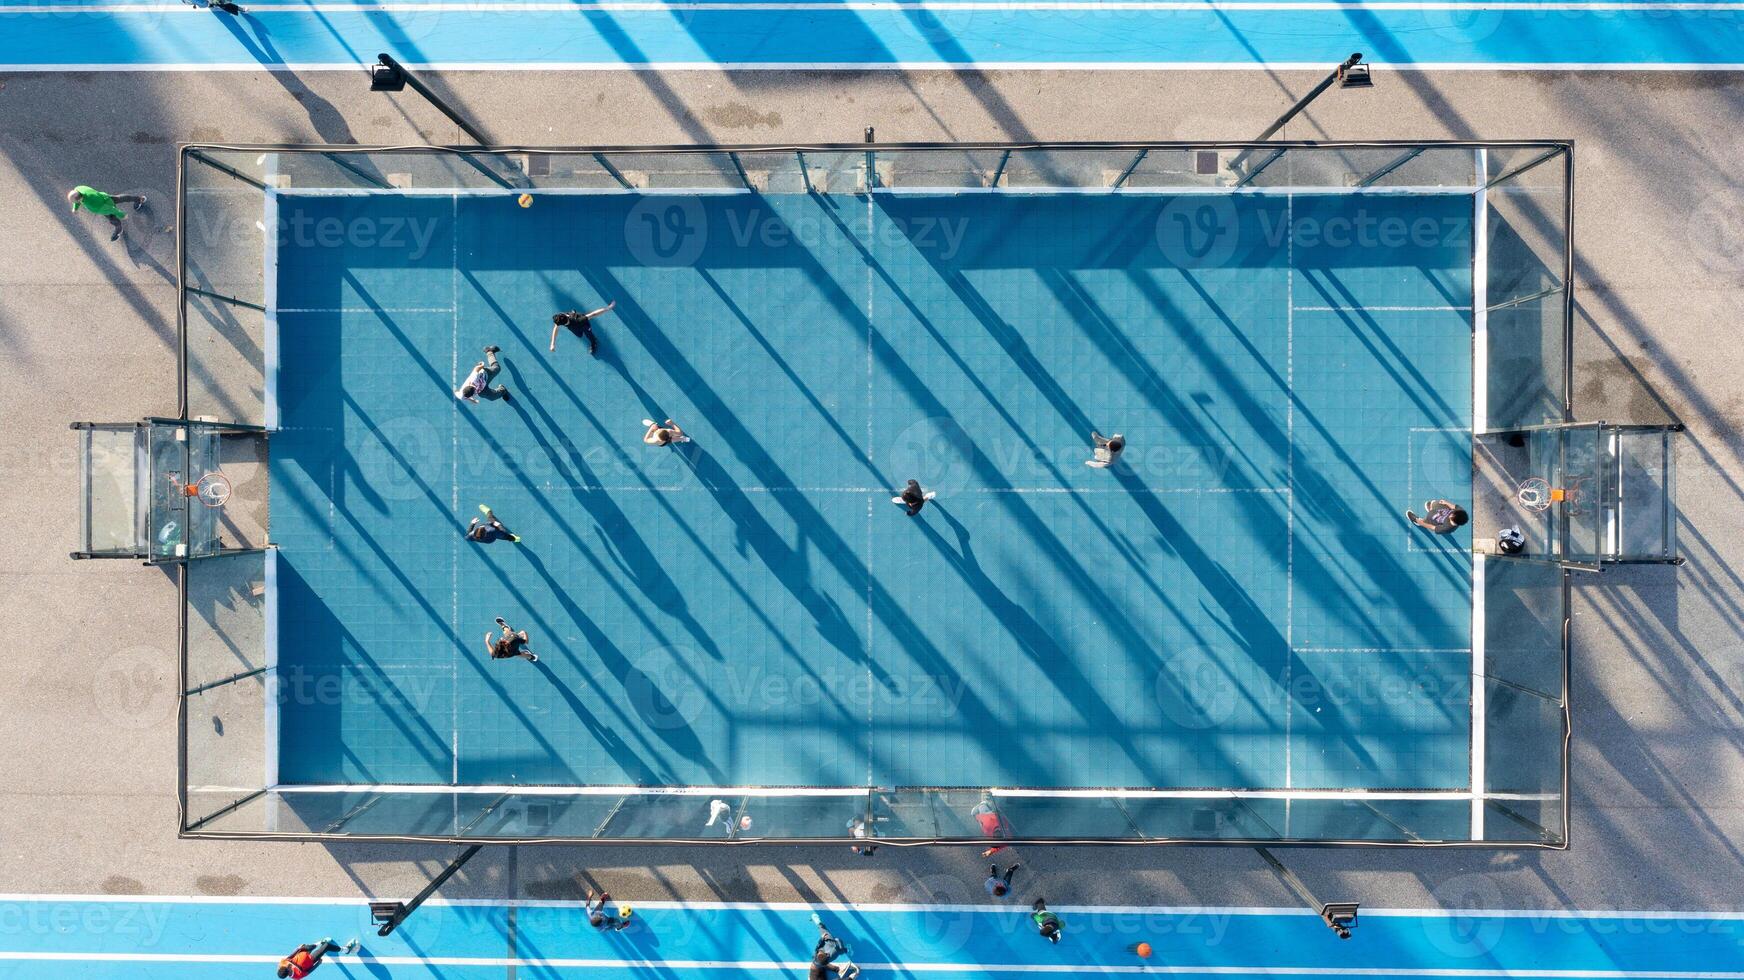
[(526, 200), (1143, 950)]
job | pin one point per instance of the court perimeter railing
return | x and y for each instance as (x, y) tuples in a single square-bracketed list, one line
[(229, 230)]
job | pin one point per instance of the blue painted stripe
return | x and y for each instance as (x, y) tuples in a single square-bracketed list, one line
[(286, 35), (472, 941)]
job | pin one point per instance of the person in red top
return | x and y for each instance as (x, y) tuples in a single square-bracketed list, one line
[(992, 824), (305, 958)]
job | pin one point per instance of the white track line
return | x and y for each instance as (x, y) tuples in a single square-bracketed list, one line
[(940, 968), (1657, 915), (961, 491), (631, 6), (861, 66)]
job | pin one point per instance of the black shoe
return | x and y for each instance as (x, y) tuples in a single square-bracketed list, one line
[(140, 205), (492, 349), (503, 623), (116, 235)]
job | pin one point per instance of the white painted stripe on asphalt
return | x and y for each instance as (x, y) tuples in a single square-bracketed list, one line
[(1033, 968)]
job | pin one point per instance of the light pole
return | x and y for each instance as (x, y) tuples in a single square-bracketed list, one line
[(388, 75), (1350, 73)]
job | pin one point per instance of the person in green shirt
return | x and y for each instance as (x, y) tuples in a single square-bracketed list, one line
[(107, 205), (1047, 923)]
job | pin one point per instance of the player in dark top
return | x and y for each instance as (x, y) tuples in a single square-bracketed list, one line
[(580, 324)]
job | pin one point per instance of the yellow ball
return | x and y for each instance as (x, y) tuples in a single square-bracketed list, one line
[(526, 200)]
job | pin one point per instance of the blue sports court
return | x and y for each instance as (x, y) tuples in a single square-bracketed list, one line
[(1238, 604)]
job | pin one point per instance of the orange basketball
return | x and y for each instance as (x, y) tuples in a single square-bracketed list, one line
[(1143, 950)]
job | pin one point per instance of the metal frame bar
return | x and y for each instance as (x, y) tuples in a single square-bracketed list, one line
[(194, 152), (1400, 161), (618, 176), (744, 178), (197, 291), (999, 171), (247, 428), (1517, 171), (1130, 168), (1567, 280), (1247, 178), (1511, 303), (359, 171), (237, 805), (1551, 148)]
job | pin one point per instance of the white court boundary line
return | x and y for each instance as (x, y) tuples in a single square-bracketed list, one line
[(1383, 309), (1479, 704), (270, 300), (366, 309), (918, 191), (800, 66), (942, 968), (855, 791), (270, 624), (1480, 421), (1481, 297)]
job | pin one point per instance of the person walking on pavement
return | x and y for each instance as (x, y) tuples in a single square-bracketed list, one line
[(998, 884), (107, 205)]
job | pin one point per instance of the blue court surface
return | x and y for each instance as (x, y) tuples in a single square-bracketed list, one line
[(109, 34), (1237, 605), (44, 936)]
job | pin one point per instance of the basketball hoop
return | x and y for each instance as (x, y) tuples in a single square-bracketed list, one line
[(213, 489), (1535, 494)]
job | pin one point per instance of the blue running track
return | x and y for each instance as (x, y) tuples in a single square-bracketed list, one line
[(142, 939), (88, 34)]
